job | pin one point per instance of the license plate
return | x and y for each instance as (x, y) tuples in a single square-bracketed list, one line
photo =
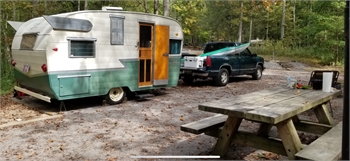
[(26, 68)]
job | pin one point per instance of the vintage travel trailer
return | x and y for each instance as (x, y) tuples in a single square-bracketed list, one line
[(95, 53)]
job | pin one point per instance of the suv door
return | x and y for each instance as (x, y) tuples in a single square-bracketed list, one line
[(234, 61), (247, 61)]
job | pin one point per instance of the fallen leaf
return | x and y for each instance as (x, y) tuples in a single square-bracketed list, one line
[(297, 92), (182, 119)]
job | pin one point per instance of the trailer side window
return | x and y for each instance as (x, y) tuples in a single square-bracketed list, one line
[(175, 46), (80, 47), (117, 30), (28, 41)]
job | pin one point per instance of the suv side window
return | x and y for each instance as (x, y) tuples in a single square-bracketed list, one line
[(245, 52)]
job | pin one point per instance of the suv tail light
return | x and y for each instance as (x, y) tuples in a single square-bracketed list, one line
[(207, 61)]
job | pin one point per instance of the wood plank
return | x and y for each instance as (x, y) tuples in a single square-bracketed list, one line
[(326, 148), (323, 115), (290, 138), (225, 137), (238, 106), (312, 127), (205, 124), (277, 112)]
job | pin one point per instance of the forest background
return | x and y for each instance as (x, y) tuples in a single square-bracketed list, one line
[(309, 31)]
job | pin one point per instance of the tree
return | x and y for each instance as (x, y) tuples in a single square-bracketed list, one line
[(166, 8), (156, 2), (240, 24)]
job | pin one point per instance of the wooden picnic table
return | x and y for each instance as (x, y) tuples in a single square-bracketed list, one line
[(278, 107)]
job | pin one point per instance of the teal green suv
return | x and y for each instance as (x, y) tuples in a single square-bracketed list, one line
[(220, 61)]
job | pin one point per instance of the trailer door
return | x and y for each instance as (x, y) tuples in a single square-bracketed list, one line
[(161, 57), (145, 54)]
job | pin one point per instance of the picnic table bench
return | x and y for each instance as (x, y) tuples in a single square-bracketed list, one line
[(270, 107)]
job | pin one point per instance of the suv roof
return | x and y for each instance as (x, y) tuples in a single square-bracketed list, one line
[(211, 46)]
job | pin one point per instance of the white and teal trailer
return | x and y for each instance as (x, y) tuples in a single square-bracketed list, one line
[(95, 53)]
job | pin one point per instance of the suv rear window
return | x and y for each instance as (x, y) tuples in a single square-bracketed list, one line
[(216, 46)]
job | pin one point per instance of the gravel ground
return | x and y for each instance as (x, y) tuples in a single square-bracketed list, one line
[(89, 131)]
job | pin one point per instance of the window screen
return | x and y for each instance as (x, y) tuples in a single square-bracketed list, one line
[(82, 47), (28, 41), (117, 30), (175, 47)]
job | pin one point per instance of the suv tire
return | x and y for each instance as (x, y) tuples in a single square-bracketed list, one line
[(222, 78), (258, 73)]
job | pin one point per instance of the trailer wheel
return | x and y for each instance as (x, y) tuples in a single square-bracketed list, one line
[(115, 96)]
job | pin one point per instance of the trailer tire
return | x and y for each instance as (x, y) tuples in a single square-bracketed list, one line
[(115, 96)]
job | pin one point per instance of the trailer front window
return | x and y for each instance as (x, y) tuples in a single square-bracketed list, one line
[(175, 46), (28, 41), (81, 47)]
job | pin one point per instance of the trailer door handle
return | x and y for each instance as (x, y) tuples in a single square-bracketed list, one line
[(165, 54)]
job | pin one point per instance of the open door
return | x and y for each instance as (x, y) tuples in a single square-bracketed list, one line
[(161, 57), (145, 54)]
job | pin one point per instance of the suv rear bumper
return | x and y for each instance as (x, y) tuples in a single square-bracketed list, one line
[(197, 73)]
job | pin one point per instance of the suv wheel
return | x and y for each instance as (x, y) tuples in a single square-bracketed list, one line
[(258, 73), (222, 78)]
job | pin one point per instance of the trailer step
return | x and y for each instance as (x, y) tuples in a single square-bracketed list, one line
[(143, 96)]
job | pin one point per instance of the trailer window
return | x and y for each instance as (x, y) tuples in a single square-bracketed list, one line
[(28, 41), (82, 47), (175, 46), (117, 30)]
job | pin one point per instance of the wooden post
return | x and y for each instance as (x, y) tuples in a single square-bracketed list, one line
[(323, 115), (226, 135), (290, 138)]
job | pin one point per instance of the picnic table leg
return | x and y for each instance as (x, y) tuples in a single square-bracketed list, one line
[(226, 135), (290, 138), (323, 115)]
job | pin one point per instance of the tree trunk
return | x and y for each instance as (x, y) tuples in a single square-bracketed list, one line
[(250, 28), (240, 24), (156, 2), (35, 4), (45, 6), (86, 5), (283, 18), (78, 5), (294, 20), (267, 26), (337, 51), (166, 8), (14, 10)]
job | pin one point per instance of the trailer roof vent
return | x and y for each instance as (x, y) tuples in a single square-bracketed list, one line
[(107, 8)]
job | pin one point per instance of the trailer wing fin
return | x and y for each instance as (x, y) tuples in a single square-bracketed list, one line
[(15, 24)]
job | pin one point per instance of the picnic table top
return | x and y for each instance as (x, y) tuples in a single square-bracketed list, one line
[(270, 105)]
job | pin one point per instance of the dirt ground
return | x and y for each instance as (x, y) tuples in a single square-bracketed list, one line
[(90, 131)]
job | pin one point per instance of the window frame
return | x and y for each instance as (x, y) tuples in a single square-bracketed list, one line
[(118, 17), (70, 39)]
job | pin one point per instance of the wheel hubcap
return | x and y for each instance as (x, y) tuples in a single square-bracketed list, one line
[(259, 73), (116, 94), (224, 77)]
